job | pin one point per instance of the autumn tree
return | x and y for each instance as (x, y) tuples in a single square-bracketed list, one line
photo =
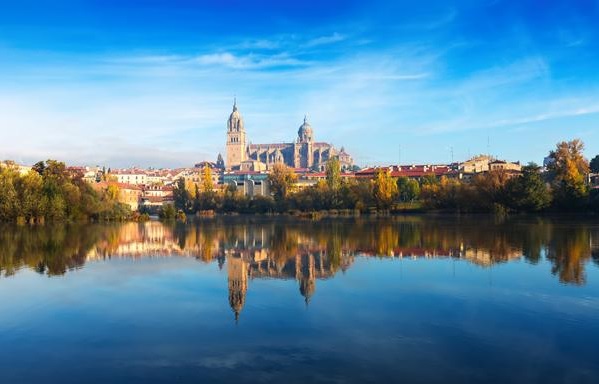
[(568, 170), (206, 199), (207, 183), (281, 178), (385, 188), (29, 191)]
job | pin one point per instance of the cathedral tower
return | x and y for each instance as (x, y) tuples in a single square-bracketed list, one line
[(236, 146), (303, 148)]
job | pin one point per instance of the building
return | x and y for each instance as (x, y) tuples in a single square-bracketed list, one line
[(303, 153), (155, 196), (502, 165), (477, 164), (249, 183), (485, 163), (129, 194), (131, 176), (410, 171)]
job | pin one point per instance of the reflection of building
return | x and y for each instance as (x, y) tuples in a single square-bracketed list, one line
[(485, 257), (137, 240), (238, 283), (303, 153), (307, 252)]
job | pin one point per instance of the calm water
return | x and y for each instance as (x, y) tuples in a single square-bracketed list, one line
[(410, 299)]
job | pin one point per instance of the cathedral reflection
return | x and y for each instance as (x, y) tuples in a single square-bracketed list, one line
[(303, 251)]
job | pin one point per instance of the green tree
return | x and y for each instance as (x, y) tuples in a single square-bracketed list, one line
[(51, 192), (167, 212), (408, 189), (181, 196), (8, 194), (333, 174), (528, 192), (39, 167)]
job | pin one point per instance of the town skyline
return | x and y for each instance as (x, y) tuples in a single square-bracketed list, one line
[(152, 86)]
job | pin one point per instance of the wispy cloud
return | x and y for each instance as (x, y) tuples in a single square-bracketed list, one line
[(325, 40), (250, 61)]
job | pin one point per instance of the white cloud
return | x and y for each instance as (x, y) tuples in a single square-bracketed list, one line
[(325, 40)]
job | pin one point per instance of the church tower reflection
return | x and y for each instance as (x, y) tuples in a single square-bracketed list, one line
[(238, 283), (305, 274)]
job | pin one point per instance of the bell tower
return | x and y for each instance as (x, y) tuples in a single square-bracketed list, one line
[(236, 146)]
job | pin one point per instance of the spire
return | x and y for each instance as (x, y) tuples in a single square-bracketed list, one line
[(305, 118), (234, 103)]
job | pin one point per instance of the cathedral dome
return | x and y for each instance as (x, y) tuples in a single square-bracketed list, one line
[(305, 132)]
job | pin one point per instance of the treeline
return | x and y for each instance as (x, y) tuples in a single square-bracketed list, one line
[(49, 192), (563, 187)]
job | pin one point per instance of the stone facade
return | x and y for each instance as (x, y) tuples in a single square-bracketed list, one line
[(303, 153)]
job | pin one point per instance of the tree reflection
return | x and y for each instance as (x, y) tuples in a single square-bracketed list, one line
[(304, 250), (569, 250)]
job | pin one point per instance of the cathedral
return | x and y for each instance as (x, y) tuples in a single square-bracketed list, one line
[(304, 153)]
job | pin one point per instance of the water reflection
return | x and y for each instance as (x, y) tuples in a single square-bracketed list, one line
[(302, 250)]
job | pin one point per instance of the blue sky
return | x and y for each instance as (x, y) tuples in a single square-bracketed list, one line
[(151, 83)]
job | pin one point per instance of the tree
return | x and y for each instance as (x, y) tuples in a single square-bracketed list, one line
[(29, 190), (568, 171), (333, 174), (39, 167), (8, 195), (489, 189), (281, 178), (181, 196), (408, 189), (385, 188), (594, 164), (528, 192), (167, 212), (207, 183), (51, 192), (112, 192)]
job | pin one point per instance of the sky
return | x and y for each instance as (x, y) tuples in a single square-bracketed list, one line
[(151, 83)]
